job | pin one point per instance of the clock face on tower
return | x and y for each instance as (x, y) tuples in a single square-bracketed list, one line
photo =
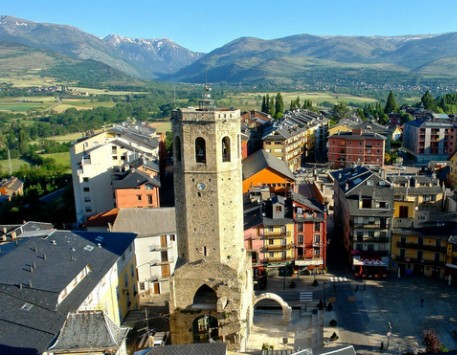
[(201, 186)]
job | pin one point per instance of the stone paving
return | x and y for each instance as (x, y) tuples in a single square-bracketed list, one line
[(375, 304)]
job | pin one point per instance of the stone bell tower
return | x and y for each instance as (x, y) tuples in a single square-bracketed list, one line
[(211, 291)]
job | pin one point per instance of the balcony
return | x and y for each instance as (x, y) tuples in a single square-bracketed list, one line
[(373, 225), (276, 234), (275, 247), (161, 262), (158, 247), (279, 259), (372, 240), (418, 246)]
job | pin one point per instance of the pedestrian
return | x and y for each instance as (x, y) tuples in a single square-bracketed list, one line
[(422, 302)]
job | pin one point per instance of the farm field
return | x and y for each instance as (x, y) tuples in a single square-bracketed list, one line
[(250, 101)]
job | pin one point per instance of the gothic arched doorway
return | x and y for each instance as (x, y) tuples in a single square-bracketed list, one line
[(205, 329)]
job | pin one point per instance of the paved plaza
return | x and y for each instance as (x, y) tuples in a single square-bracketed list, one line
[(368, 314)]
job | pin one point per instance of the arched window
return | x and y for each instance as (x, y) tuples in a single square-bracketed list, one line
[(178, 148), (206, 296), (200, 150), (226, 149)]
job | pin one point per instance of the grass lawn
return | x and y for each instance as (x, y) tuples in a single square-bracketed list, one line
[(161, 126), (60, 158), (15, 165)]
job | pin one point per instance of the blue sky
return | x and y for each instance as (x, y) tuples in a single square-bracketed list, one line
[(204, 25)]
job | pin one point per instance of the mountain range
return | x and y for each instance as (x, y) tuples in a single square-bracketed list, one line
[(347, 60)]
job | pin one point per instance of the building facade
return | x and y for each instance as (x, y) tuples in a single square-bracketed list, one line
[(96, 157), (211, 293), (430, 138), (348, 148), (363, 215), (155, 245)]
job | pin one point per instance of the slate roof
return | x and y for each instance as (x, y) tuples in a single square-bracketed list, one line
[(260, 160), (146, 221), (314, 205), (357, 137), (132, 179), (252, 215), (92, 331), (190, 349), (36, 272)]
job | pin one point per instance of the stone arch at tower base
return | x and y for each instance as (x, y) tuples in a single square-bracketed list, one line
[(286, 309)]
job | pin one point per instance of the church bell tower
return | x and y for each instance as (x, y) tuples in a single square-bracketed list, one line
[(211, 289)]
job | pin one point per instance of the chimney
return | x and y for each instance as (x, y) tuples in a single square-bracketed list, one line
[(30, 283)]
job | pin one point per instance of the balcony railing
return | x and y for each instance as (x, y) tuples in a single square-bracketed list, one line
[(161, 262), (275, 234), (421, 247), (158, 247), (277, 247)]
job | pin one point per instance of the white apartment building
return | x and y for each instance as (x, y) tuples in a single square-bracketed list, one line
[(95, 158), (155, 246)]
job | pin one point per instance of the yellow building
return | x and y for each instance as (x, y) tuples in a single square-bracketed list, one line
[(420, 251), (300, 136)]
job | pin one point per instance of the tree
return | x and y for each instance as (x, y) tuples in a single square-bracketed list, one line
[(391, 104), (279, 106), (431, 341), (340, 111), (428, 101), (271, 106), (264, 104)]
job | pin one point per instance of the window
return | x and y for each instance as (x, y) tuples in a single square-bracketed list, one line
[(271, 255), (271, 242), (85, 179), (87, 199), (300, 239), (142, 288), (300, 226), (226, 149), (150, 199), (88, 209), (200, 150), (278, 208), (317, 227), (86, 189), (178, 148), (138, 197)]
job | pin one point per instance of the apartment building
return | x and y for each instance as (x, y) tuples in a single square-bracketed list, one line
[(357, 147), (155, 245), (430, 138), (363, 213), (310, 233), (277, 233), (96, 157), (299, 137)]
